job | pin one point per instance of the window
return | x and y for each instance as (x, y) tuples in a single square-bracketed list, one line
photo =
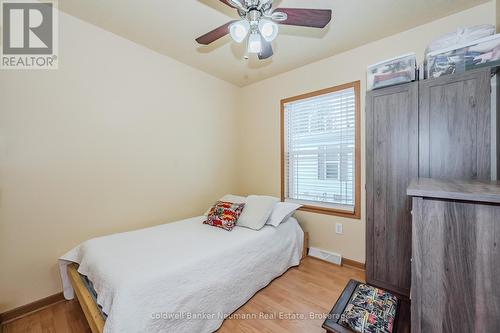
[(321, 150)]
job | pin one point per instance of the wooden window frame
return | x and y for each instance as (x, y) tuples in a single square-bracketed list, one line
[(356, 214)]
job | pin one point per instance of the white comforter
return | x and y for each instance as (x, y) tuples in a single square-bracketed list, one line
[(183, 276)]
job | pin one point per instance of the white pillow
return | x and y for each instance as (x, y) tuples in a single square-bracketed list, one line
[(282, 211), (229, 198), (257, 210)]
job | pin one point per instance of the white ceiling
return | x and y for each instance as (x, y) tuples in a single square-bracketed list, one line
[(171, 26)]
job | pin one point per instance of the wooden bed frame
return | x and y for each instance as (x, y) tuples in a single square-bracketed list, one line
[(89, 307)]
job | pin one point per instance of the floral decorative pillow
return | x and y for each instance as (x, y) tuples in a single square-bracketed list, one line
[(224, 215)]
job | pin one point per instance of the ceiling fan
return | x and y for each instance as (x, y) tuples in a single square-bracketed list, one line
[(258, 22)]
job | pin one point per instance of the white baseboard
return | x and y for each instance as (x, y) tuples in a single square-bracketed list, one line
[(332, 257)]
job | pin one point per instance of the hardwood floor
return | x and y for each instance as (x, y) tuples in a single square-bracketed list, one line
[(311, 288), (66, 316)]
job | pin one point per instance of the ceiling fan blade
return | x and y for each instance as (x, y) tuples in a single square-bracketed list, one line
[(215, 34), (267, 50), (314, 18), (227, 3)]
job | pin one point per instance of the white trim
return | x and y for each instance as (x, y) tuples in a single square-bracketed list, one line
[(345, 208)]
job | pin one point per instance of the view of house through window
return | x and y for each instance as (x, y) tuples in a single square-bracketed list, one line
[(319, 157)]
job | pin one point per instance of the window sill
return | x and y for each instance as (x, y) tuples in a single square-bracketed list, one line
[(331, 211)]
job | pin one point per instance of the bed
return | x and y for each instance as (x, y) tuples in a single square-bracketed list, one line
[(179, 277)]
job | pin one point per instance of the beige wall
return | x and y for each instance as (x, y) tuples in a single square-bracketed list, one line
[(259, 119), (497, 21), (118, 138)]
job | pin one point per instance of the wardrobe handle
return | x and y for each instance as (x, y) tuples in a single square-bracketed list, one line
[(472, 102)]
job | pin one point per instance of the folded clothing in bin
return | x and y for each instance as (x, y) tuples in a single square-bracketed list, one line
[(461, 36), (480, 53), (485, 53), (398, 70)]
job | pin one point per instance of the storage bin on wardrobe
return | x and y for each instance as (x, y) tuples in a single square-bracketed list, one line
[(458, 59), (399, 70)]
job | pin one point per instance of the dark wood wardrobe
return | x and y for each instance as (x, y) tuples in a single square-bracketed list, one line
[(438, 128), (455, 126), (391, 163)]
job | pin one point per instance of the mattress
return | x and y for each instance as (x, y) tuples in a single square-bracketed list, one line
[(183, 276), (90, 288)]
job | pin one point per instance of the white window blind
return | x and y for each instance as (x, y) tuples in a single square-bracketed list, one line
[(320, 137)]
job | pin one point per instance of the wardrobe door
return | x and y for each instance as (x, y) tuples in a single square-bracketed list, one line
[(391, 163), (455, 126)]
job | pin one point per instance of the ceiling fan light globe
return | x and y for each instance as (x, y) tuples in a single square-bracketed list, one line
[(269, 30), (254, 43), (239, 30)]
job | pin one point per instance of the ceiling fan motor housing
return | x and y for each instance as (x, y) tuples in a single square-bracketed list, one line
[(254, 5), (253, 17)]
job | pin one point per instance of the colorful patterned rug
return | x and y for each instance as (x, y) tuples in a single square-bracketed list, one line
[(370, 310)]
